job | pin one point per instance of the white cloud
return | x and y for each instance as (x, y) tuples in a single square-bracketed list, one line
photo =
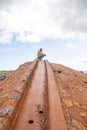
[(5, 37), (43, 18)]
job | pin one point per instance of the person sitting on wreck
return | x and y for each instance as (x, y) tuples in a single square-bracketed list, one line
[(40, 54)]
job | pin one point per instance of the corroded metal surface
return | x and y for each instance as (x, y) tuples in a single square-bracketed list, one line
[(72, 86), (56, 117), (11, 94), (43, 96), (33, 113)]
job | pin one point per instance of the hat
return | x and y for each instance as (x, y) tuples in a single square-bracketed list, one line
[(41, 49)]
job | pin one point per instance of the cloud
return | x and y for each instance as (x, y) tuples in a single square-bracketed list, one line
[(43, 18), (5, 36)]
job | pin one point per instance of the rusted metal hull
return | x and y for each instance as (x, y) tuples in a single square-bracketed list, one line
[(35, 97)]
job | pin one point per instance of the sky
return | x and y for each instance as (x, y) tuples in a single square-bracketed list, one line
[(57, 26)]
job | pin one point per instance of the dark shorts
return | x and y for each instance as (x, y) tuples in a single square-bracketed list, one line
[(40, 57)]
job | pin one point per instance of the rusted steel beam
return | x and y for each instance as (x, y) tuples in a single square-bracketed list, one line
[(33, 112), (55, 112)]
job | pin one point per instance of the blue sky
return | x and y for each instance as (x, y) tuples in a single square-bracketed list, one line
[(57, 26)]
